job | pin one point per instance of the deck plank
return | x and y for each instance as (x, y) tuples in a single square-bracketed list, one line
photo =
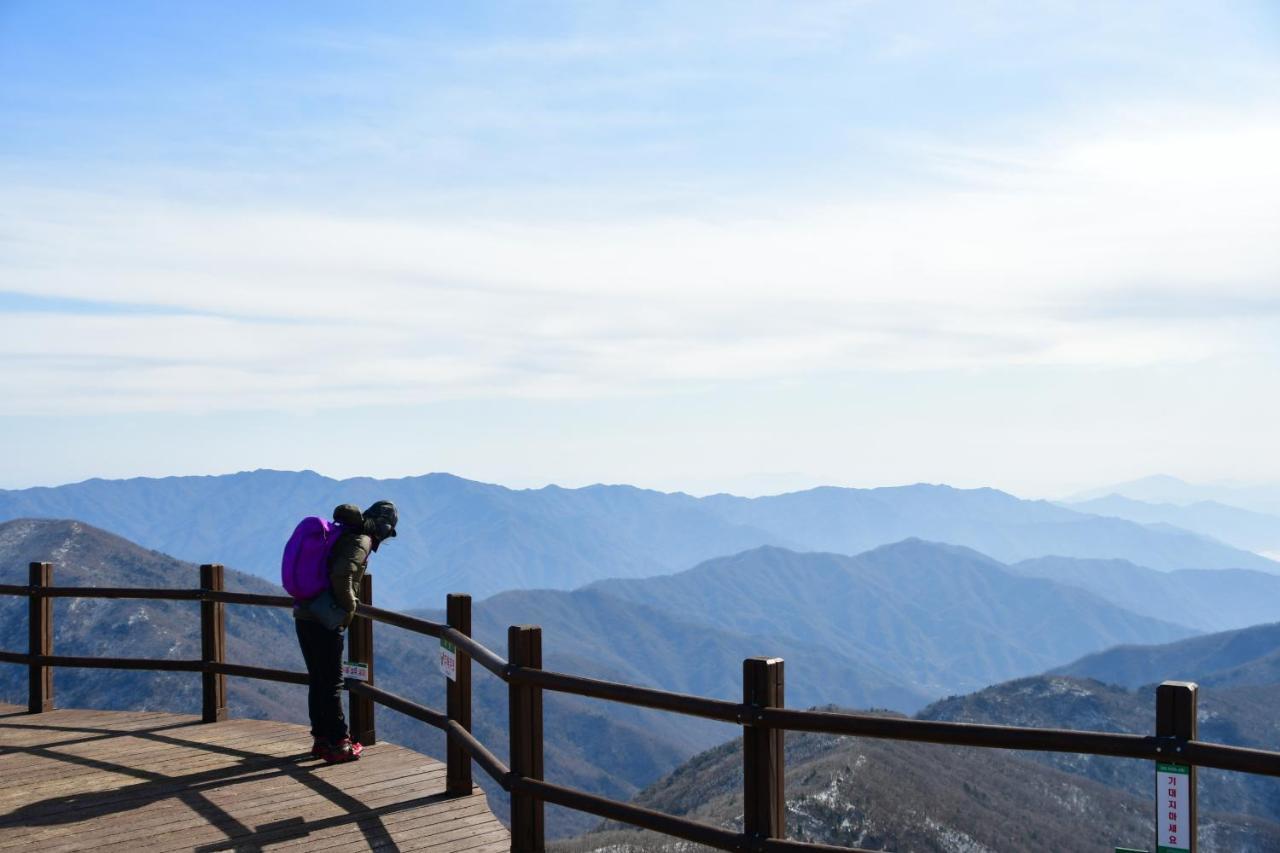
[(67, 772), (404, 823), (74, 780), (157, 824), (266, 792)]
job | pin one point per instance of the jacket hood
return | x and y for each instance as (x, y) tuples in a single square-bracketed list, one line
[(380, 520)]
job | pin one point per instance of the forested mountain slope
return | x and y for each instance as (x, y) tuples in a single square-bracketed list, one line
[(1249, 656), (889, 795)]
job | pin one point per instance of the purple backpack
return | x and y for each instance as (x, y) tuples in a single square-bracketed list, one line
[(304, 570)]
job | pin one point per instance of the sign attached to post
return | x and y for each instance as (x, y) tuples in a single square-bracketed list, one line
[(449, 660), (355, 671), (1173, 808)]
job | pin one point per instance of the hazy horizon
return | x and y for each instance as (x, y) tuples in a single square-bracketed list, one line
[(760, 489)]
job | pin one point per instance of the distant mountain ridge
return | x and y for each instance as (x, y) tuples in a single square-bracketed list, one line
[(1245, 657), (945, 618), (591, 631), (1204, 599), (458, 534), (454, 534), (1164, 489), (851, 521), (1241, 528)]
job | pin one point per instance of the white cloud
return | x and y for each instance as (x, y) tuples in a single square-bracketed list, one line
[(1019, 261)]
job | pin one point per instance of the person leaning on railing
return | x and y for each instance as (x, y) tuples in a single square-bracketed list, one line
[(322, 646)]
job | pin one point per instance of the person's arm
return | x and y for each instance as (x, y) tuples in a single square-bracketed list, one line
[(345, 562)]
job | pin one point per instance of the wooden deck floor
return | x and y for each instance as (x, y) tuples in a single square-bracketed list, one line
[(107, 780)]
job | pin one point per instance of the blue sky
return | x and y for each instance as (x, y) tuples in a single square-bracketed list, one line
[(747, 246)]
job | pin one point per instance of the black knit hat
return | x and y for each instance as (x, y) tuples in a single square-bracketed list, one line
[(382, 518)]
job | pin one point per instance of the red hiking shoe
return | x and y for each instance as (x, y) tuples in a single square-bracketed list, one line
[(341, 752), (317, 747)]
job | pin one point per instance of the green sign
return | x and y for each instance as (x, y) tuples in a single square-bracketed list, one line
[(449, 660)]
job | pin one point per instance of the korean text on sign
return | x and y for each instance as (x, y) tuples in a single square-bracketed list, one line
[(1173, 808)]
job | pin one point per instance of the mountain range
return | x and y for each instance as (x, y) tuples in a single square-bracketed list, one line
[(1164, 489), (1243, 658), (1242, 528), (458, 534), (944, 618), (1204, 599)]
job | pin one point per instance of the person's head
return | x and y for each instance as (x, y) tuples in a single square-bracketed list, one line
[(380, 520)]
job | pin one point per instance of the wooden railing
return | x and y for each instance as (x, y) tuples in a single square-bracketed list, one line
[(762, 713)]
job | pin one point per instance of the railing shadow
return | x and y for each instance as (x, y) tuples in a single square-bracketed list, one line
[(191, 790)]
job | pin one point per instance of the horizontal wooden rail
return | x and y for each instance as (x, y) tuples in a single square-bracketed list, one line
[(689, 830), (158, 664), (489, 762), (258, 672), (680, 703), (959, 734), (1027, 739), (482, 655), (122, 592), (478, 751), (103, 592), (400, 620), (147, 593), (408, 707), (250, 598), (679, 827), (1223, 757)]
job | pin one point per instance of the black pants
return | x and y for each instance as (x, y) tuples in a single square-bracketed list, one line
[(322, 650)]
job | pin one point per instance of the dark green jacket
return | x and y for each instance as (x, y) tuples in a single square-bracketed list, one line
[(347, 562)]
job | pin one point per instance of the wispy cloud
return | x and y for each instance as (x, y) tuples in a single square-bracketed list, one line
[(639, 198), (1094, 251)]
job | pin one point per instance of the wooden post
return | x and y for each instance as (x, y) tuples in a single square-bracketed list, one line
[(213, 645), (40, 638), (524, 648), (458, 696), (1176, 718), (764, 812), (360, 650)]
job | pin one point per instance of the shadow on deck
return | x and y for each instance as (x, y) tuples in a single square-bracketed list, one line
[(101, 780)]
